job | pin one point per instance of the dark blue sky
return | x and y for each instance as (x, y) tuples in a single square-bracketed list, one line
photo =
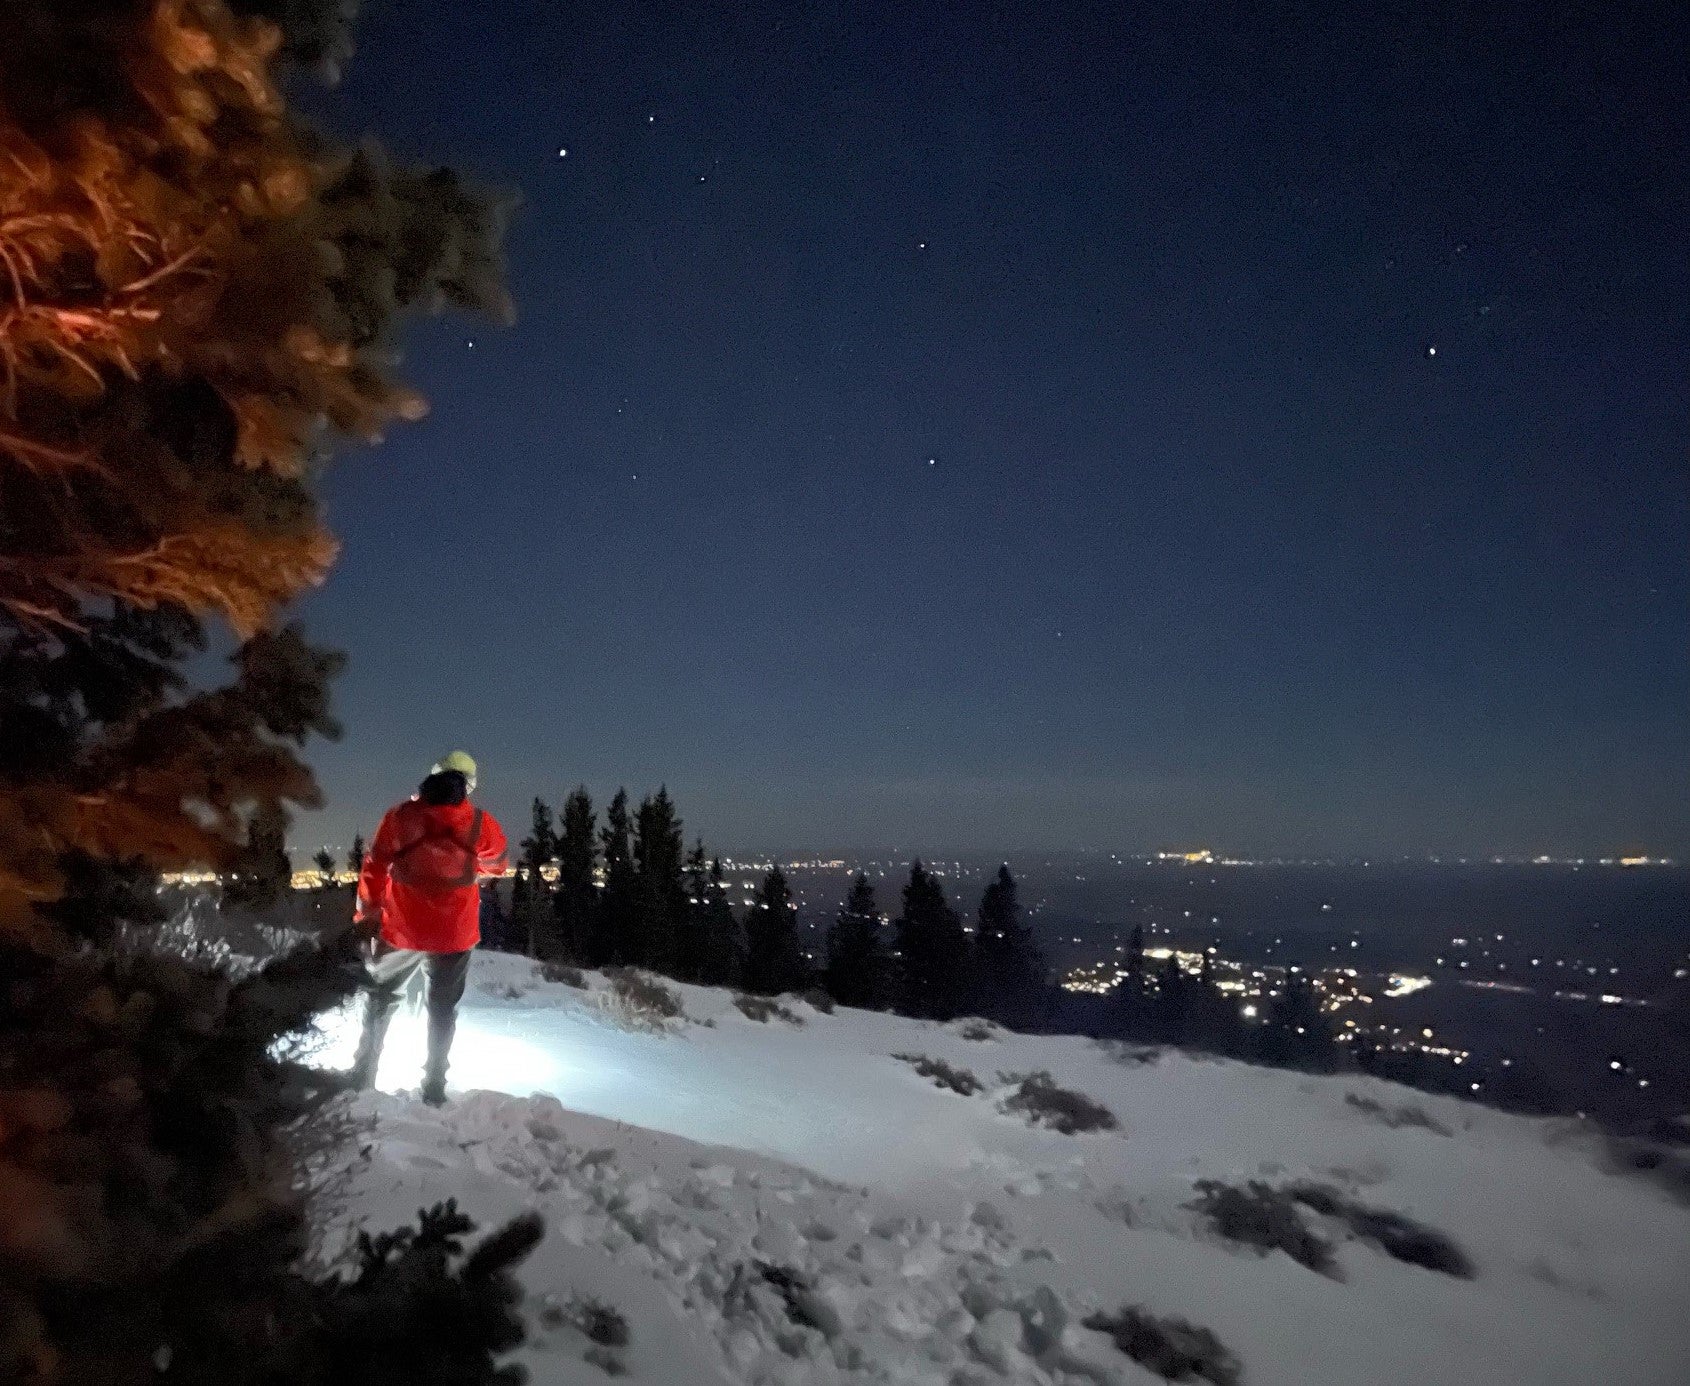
[(1305, 399)]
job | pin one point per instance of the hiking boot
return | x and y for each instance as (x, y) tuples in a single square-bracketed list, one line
[(434, 1092)]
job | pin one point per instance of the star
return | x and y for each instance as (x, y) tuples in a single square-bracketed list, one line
[(932, 461), (1431, 351), (563, 153)]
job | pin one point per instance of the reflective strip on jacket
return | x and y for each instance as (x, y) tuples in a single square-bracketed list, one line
[(421, 874)]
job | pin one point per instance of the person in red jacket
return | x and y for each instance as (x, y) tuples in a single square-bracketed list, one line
[(419, 905)]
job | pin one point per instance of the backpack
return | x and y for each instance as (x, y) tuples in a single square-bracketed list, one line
[(440, 861)]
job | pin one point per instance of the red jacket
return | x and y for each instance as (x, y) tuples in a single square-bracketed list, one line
[(420, 881)]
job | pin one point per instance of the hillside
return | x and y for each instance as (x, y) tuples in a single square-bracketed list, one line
[(784, 1201)]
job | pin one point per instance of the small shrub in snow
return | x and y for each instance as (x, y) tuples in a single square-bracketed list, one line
[(1397, 1236), (599, 1322), (564, 975), (803, 1306), (1664, 1165), (1261, 1216), (1132, 1055), (819, 1000), (1396, 1117), (1172, 1348), (977, 1030), (1118, 1207), (1038, 1098), (944, 1075), (764, 1009), (394, 1296), (639, 1000), (605, 1360)]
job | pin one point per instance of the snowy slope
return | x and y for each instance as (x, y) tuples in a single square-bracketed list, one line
[(918, 1236)]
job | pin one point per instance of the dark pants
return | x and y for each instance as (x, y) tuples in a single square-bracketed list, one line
[(390, 971)]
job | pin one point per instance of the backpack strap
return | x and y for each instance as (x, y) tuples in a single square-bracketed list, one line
[(472, 848)]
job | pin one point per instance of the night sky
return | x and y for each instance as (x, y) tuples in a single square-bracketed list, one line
[(980, 428)]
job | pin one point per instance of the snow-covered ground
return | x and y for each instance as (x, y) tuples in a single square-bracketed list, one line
[(788, 1203)]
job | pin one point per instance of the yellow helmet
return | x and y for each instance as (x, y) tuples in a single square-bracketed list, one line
[(461, 761)]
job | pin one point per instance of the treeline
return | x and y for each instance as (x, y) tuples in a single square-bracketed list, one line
[(1169, 1005), (628, 892)]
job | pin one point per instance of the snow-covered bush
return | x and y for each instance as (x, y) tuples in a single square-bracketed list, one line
[(763, 1009), (199, 928), (152, 1144), (798, 1298), (599, 1322), (420, 1309), (564, 975), (1667, 1166), (639, 1000), (1134, 1055), (1263, 1217), (944, 1075), (819, 1000), (1172, 1348), (1397, 1236), (1396, 1117), (1043, 1103), (977, 1030)]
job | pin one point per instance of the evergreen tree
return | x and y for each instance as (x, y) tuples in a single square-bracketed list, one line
[(773, 963), (689, 951), (498, 932), (325, 904), (262, 872), (662, 896), (355, 858), (531, 902), (1172, 1008), (1129, 1003), (513, 933), (934, 966), (1010, 968), (576, 897), (200, 294), (1215, 1024), (1134, 979), (859, 969), (617, 918), (722, 949), (539, 848), (1295, 1032)]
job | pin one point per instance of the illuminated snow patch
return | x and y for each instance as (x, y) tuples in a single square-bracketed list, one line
[(481, 1057)]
